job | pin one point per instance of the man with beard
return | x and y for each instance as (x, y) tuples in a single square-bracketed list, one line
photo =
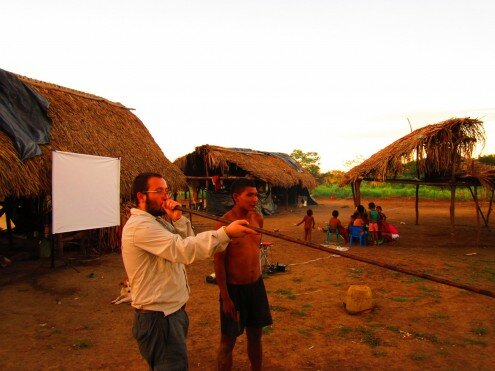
[(157, 243), (243, 299)]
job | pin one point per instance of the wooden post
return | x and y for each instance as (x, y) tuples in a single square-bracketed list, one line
[(354, 195), (207, 173), (452, 211), (489, 208), (478, 207), (287, 198), (417, 204), (358, 193), (8, 218), (478, 224), (417, 185), (52, 250), (452, 190)]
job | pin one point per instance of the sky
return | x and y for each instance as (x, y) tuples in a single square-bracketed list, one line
[(343, 78)]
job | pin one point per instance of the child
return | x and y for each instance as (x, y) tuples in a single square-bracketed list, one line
[(373, 223), (352, 220), (335, 224), (358, 220), (309, 224)]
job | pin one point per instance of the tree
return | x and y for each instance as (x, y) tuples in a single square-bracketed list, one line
[(332, 177), (488, 159), (349, 164), (309, 161)]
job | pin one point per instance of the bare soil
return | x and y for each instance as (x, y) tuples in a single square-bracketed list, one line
[(62, 319)]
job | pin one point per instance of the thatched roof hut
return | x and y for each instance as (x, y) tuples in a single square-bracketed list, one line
[(267, 166), (438, 149), (288, 179), (442, 153), (87, 124)]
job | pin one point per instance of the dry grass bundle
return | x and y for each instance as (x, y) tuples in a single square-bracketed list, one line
[(84, 123), (230, 161), (473, 169)]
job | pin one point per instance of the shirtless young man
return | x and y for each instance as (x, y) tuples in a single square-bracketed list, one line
[(243, 299)]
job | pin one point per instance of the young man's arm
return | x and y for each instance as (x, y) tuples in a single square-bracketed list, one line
[(219, 262)]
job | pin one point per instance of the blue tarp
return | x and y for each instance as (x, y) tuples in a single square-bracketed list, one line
[(23, 115)]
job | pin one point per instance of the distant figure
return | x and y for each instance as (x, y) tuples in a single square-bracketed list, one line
[(351, 220), (217, 183), (361, 217), (309, 224), (387, 231), (335, 224), (373, 223)]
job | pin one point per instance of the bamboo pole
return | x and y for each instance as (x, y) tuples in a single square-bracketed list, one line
[(348, 255)]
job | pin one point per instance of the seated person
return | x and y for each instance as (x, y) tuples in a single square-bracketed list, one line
[(363, 214), (334, 224), (358, 220), (388, 232), (351, 220)]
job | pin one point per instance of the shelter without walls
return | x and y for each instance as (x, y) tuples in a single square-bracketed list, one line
[(443, 156)]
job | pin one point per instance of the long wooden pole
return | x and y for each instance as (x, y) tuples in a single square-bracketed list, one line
[(348, 255)]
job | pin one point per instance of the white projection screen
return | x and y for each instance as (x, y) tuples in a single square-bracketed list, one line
[(85, 192)]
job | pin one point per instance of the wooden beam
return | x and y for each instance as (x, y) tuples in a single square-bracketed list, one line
[(422, 182), (478, 208), (221, 177)]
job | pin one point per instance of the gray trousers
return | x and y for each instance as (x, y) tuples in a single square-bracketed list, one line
[(162, 339)]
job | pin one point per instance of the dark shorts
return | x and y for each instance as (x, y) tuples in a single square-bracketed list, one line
[(252, 303), (162, 339)]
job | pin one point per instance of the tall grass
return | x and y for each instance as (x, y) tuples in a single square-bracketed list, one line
[(370, 190)]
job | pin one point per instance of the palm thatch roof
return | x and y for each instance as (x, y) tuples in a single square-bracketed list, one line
[(441, 149), (267, 166), (88, 124)]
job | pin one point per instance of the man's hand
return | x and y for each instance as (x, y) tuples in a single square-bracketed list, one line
[(237, 229), (168, 206)]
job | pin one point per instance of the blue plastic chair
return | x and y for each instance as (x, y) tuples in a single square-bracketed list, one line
[(335, 231), (358, 233)]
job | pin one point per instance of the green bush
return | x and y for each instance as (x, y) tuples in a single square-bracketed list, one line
[(386, 190)]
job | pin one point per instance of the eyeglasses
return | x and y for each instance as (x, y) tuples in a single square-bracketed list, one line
[(161, 192)]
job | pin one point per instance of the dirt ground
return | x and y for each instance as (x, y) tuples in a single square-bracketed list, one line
[(62, 319)]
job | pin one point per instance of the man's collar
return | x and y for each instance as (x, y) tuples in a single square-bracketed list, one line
[(136, 211)]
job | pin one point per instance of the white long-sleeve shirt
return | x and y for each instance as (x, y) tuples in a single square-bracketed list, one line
[(154, 254)]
